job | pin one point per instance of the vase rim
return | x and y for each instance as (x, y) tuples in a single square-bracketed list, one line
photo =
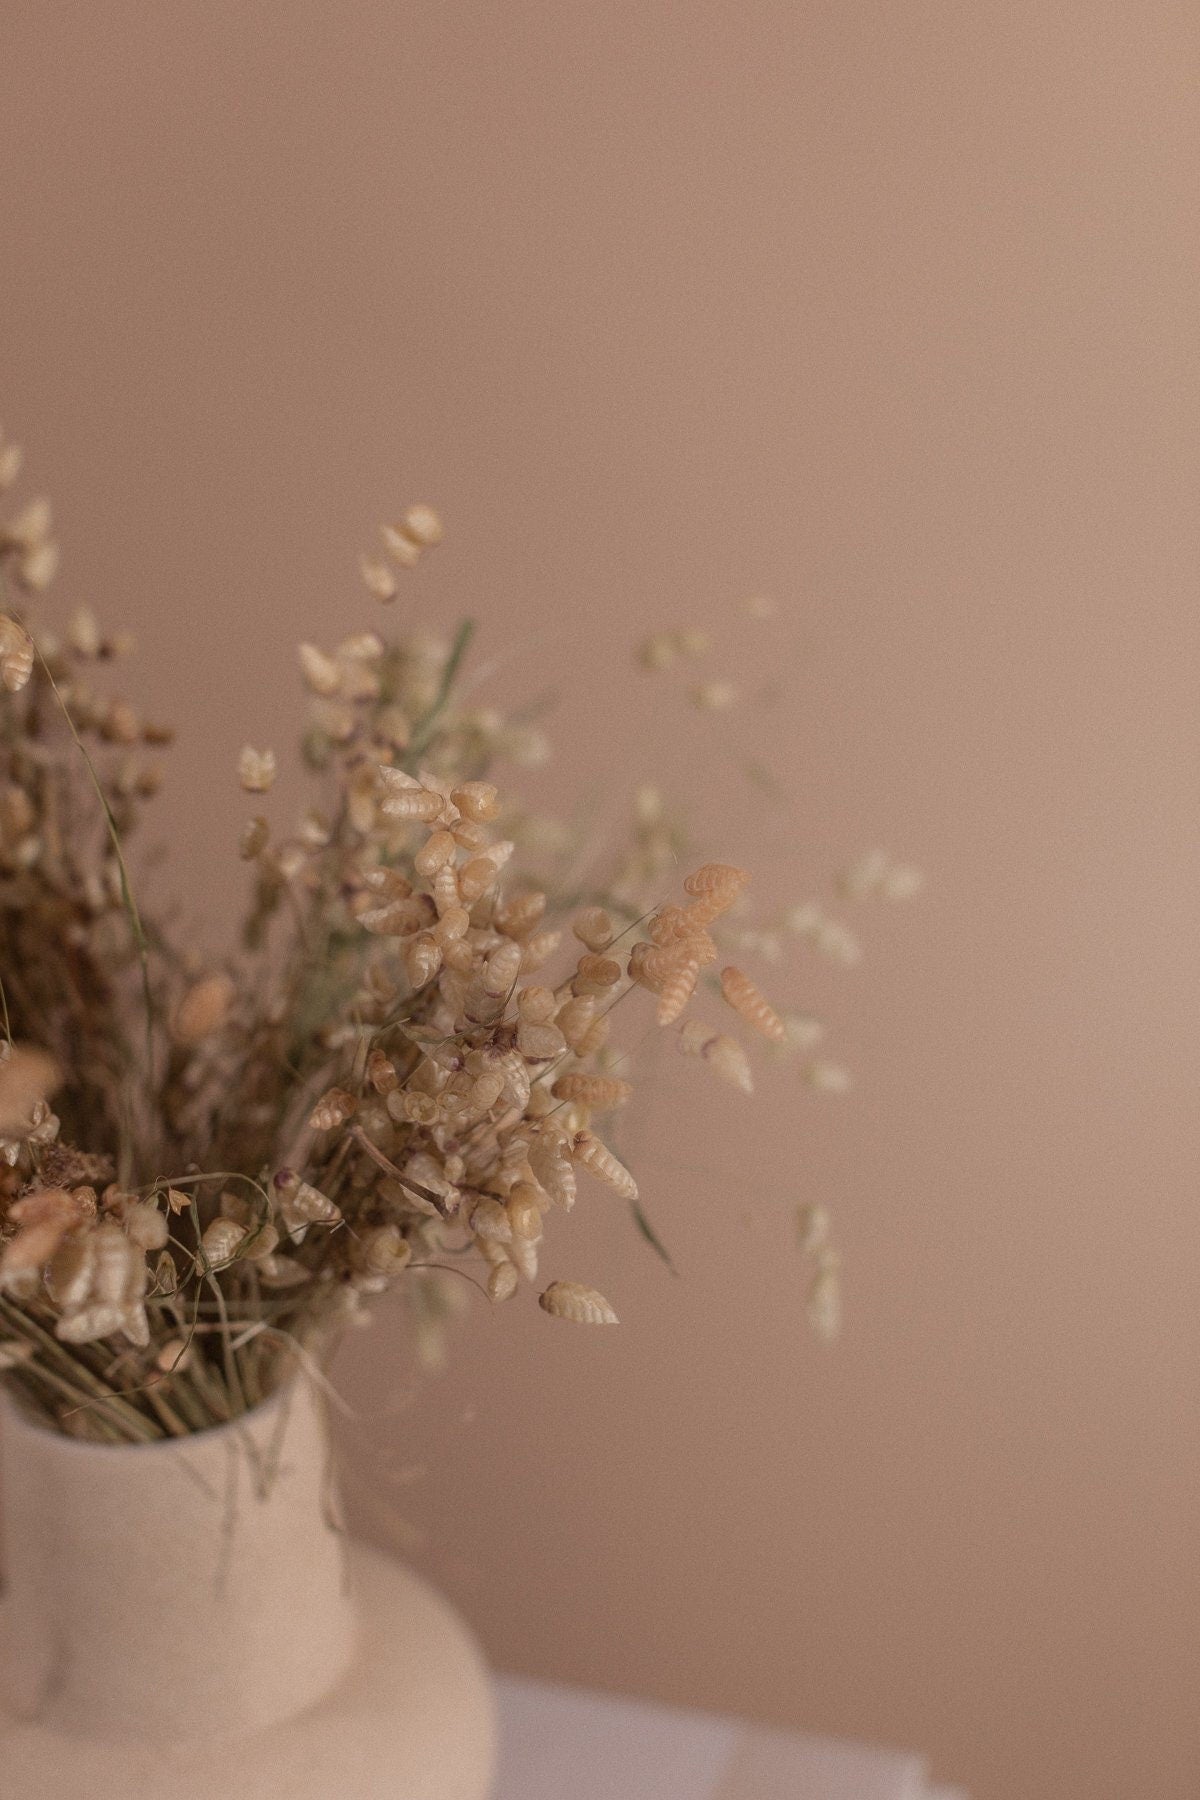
[(25, 1420)]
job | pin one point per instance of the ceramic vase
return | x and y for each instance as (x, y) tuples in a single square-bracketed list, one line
[(186, 1619)]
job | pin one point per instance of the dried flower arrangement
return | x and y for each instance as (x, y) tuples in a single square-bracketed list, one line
[(206, 1175)]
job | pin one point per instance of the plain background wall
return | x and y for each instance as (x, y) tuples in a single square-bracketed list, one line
[(886, 310)]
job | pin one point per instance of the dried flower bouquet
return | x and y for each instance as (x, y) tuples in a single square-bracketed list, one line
[(206, 1175)]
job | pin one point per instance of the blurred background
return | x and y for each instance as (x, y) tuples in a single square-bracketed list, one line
[(888, 312)]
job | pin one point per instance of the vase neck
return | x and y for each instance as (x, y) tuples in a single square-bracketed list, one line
[(192, 1587)]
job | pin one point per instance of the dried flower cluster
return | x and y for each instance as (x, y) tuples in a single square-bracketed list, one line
[(206, 1174)]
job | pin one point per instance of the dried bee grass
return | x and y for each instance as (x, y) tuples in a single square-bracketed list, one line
[(395, 1081)]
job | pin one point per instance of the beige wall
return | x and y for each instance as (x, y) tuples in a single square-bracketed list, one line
[(888, 310)]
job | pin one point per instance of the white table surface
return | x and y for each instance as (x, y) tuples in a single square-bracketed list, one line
[(561, 1743)]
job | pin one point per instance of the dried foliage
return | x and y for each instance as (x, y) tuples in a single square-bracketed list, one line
[(208, 1173)]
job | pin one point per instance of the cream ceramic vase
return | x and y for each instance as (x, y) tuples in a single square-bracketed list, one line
[(184, 1619)]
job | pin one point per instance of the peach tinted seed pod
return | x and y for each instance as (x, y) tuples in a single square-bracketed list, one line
[(422, 959), (477, 801), (594, 928), (601, 1093), (539, 949), (332, 1109), (677, 989), (321, 673), (550, 1161), (423, 526), (381, 1073), (520, 914), (145, 1225), (437, 850), (256, 769), (598, 1160), (746, 1000), (502, 1282), (575, 1016), (378, 579), (582, 1305), (412, 803), (525, 1211), (537, 1004), (203, 1009), (16, 654), (595, 973), (539, 1043), (402, 549), (726, 1057)]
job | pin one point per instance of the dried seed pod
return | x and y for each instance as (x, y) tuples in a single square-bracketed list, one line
[(381, 1073), (220, 1242), (677, 989), (824, 1304), (694, 1035), (601, 1093), (901, 882), (714, 696), (524, 1209), (539, 1043), (204, 1009), (16, 654), (746, 1000), (256, 769), (502, 1282), (477, 801), (812, 1226), (572, 1300), (423, 526), (475, 878), (503, 967), (595, 973), (378, 578), (598, 1160), (300, 1204), (593, 927), (384, 1251), (28, 528), (469, 836), (489, 1219), (575, 1016), (69, 1271), (400, 917), (410, 1107), (321, 673), (332, 1110), (523, 1254), (539, 949), (412, 803), (11, 458), (827, 1077), (537, 1004), (145, 1225), (403, 550), (437, 850), (454, 923), (119, 1271), (519, 915), (253, 840), (725, 879), (550, 1160), (422, 959), (173, 1357), (726, 1057)]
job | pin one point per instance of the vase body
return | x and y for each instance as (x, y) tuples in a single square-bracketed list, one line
[(188, 1614)]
